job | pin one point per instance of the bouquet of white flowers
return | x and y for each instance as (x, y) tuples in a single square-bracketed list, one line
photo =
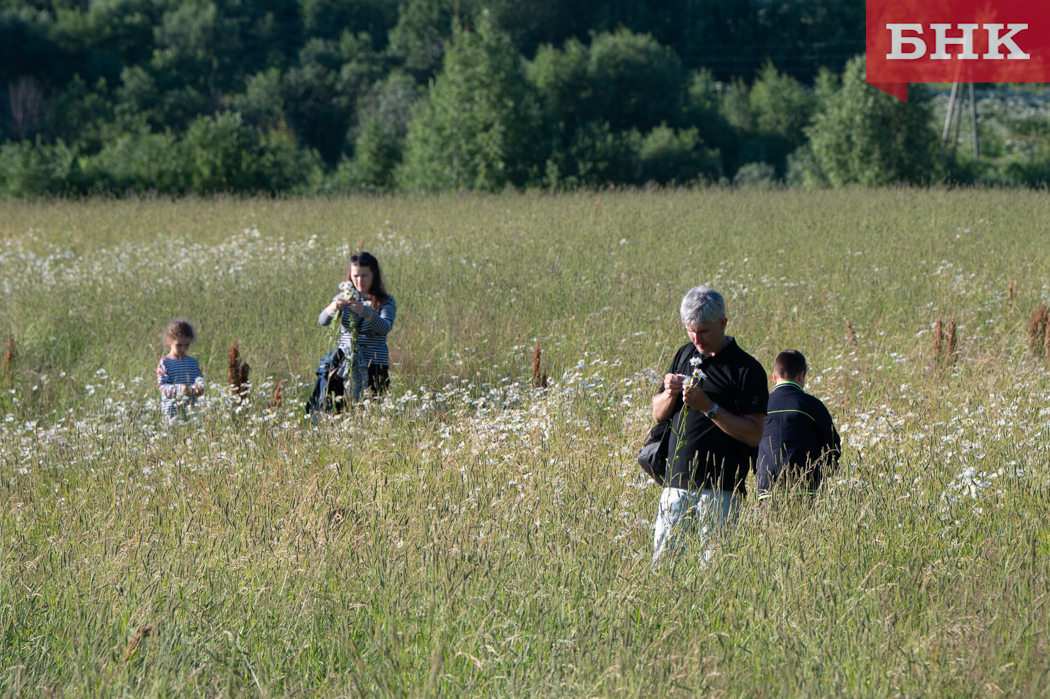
[(348, 291), (354, 370), (696, 377)]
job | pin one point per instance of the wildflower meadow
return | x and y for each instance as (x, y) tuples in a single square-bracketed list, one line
[(485, 530)]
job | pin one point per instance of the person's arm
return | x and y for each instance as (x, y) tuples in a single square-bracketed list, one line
[(743, 428), (747, 428), (666, 401), (165, 381), (830, 443), (379, 322), (331, 311)]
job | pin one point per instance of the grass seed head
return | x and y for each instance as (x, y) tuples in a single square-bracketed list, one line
[(938, 335), (539, 378), (1036, 327), (235, 365), (952, 339), (1046, 338), (851, 335), (275, 398), (242, 383), (9, 355)]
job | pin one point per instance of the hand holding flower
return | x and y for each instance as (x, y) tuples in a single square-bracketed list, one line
[(673, 383), (697, 399)]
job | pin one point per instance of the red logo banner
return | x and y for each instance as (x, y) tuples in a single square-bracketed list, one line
[(915, 41)]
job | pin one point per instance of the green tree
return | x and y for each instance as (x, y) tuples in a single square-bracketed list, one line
[(322, 92), (628, 80), (867, 137), (30, 170), (768, 119), (479, 125), (672, 157), (373, 17)]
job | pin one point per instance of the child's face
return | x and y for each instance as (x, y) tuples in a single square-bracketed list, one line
[(180, 346)]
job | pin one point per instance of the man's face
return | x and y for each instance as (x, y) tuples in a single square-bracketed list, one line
[(708, 338)]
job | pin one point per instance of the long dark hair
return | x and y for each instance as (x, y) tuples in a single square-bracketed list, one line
[(366, 259)]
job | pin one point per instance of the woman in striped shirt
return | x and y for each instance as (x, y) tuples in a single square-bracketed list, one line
[(179, 376), (372, 317)]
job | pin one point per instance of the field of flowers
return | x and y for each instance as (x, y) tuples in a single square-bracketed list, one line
[(473, 535)]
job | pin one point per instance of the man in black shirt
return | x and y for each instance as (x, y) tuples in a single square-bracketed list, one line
[(715, 396), (800, 442)]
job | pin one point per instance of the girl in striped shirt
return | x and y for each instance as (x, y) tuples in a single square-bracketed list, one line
[(373, 318), (179, 376)]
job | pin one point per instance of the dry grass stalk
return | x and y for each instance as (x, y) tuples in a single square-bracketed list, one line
[(136, 641), (275, 399), (1036, 328), (952, 339), (597, 202), (242, 384), (9, 355), (938, 336), (539, 380), (235, 365), (237, 379), (1046, 338), (851, 335), (1011, 292)]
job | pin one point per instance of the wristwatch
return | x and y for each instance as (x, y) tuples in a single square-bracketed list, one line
[(712, 413)]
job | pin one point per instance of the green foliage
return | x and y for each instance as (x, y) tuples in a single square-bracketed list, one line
[(28, 170), (605, 97), (626, 79), (866, 137), (673, 157), (323, 91), (138, 161), (423, 29), (768, 119), (479, 126), (755, 176), (377, 152), (219, 154), (594, 157), (26, 47), (262, 103), (372, 17)]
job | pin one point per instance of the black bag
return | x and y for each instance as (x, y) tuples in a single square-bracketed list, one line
[(327, 396), (653, 456)]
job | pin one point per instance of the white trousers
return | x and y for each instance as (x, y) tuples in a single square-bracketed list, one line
[(685, 513)]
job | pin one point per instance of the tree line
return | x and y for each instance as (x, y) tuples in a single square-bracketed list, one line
[(112, 96)]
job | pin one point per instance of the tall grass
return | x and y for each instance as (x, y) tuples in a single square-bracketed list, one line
[(473, 535)]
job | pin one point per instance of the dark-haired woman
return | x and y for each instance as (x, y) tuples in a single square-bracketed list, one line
[(372, 317)]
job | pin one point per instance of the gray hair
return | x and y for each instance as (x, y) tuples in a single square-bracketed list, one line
[(701, 305)]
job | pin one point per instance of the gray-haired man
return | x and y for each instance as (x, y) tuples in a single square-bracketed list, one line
[(722, 427)]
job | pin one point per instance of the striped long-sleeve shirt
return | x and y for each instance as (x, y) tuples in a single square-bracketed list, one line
[(172, 373), (371, 334)]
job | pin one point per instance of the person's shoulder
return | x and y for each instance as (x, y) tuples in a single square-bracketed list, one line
[(816, 405), (744, 359)]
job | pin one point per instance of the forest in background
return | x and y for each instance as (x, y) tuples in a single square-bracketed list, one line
[(304, 96)]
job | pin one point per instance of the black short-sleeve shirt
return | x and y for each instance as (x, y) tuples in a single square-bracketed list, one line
[(710, 458)]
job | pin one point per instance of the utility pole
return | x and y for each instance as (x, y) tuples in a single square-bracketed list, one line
[(973, 121), (948, 114)]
